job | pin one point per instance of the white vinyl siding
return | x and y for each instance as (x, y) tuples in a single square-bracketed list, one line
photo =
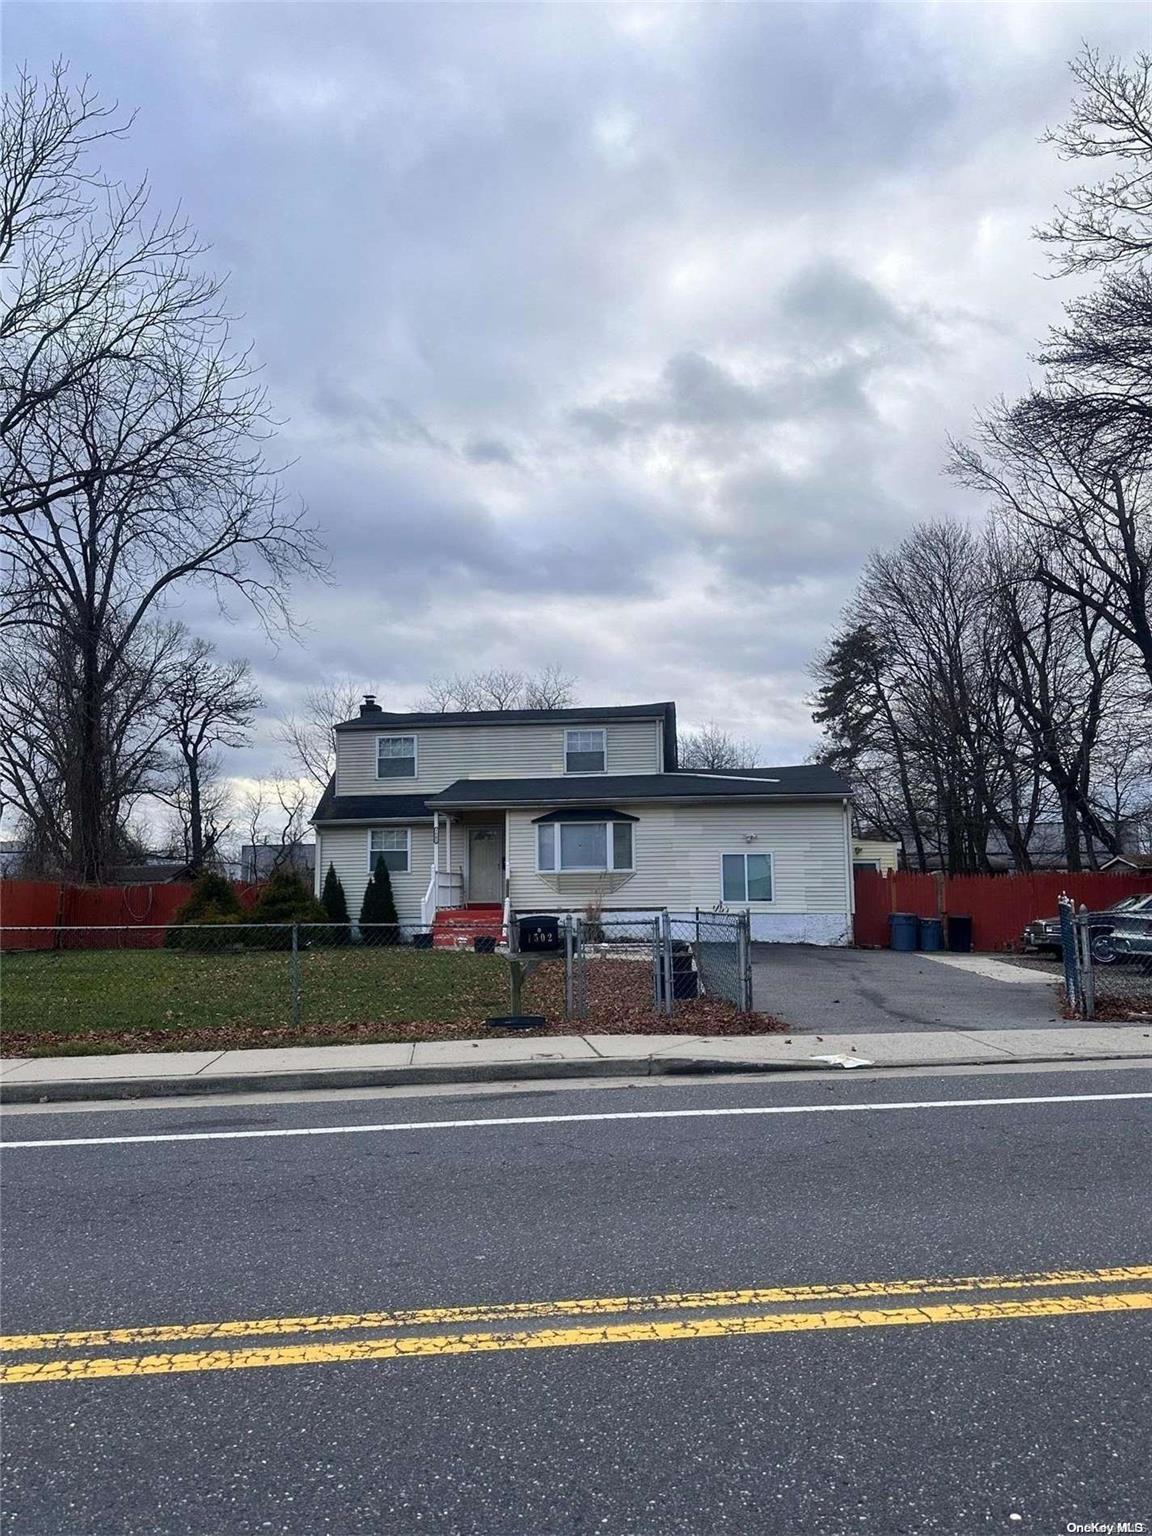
[(394, 846), (447, 753), (345, 849), (678, 850)]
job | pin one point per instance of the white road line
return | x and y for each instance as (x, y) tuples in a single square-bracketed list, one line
[(630, 1114)]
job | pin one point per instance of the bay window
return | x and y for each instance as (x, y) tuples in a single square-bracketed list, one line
[(564, 847)]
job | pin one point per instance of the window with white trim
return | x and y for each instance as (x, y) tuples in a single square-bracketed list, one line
[(746, 877), (583, 847), (395, 757), (585, 752), (394, 846)]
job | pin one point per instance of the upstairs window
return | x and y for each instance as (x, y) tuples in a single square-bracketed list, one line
[(584, 752), (746, 877), (583, 847), (392, 844), (395, 757)]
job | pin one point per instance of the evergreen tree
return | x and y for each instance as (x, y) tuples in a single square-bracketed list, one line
[(379, 906), (333, 899), (213, 901), (285, 899)]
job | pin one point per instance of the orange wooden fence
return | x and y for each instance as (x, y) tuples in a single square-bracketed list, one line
[(999, 905)]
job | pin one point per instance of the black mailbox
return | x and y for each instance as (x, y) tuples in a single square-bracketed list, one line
[(540, 935)]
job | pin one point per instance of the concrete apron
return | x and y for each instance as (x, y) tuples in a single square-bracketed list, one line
[(78, 1078)]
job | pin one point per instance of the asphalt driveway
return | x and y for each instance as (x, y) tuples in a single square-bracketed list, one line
[(842, 991)]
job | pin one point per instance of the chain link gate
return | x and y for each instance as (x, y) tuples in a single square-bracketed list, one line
[(665, 959), (1107, 962)]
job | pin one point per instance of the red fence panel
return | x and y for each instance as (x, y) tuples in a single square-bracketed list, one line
[(29, 903), (47, 904), (999, 905)]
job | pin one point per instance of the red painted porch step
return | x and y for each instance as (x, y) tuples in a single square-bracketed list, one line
[(457, 927)]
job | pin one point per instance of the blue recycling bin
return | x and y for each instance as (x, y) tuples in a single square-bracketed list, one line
[(905, 931), (931, 933)]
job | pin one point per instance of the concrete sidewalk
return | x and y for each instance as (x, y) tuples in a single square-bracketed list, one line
[(48, 1079)]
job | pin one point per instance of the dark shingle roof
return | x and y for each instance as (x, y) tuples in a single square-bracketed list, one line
[(334, 807), (806, 781), (803, 782), (377, 718)]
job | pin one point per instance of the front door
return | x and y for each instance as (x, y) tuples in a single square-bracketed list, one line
[(486, 865)]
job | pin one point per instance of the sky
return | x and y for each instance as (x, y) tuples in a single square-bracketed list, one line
[(612, 336)]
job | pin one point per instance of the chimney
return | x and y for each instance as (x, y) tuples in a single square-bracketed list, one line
[(370, 706)]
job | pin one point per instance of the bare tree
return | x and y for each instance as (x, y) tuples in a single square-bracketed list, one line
[(208, 704), (160, 436), (1108, 224), (710, 747), (1082, 510), (252, 810), (551, 688), (1059, 667), (90, 280), (39, 726), (499, 688), (273, 814), (292, 799), (308, 734), (445, 695)]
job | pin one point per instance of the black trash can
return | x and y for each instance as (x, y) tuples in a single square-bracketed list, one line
[(960, 935), (685, 979)]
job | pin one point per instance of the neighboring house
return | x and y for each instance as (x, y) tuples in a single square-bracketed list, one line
[(869, 853), (1128, 864), (258, 861), (548, 810), (1046, 849), (152, 869)]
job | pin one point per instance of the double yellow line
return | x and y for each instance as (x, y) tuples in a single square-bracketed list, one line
[(698, 1319)]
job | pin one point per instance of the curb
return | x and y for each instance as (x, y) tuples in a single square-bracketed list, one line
[(79, 1090)]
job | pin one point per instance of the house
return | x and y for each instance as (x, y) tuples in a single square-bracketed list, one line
[(1128, 864), (485, 814), (870, 853)]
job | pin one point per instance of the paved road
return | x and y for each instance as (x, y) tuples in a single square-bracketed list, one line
[(840, 991), (913, 1405)]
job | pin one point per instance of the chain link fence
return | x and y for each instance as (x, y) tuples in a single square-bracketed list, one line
[(658, 962), (199, 985), (1107, 963), (301, 978)]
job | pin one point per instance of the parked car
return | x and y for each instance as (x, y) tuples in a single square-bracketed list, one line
[(1044, 933), (1131, 938)]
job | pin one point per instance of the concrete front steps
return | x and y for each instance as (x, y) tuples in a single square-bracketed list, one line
[(460, 927)]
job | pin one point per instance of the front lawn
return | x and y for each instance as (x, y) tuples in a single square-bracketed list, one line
[(79, 1002)]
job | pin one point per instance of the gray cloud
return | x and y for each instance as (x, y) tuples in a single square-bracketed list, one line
[(611, 334)]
